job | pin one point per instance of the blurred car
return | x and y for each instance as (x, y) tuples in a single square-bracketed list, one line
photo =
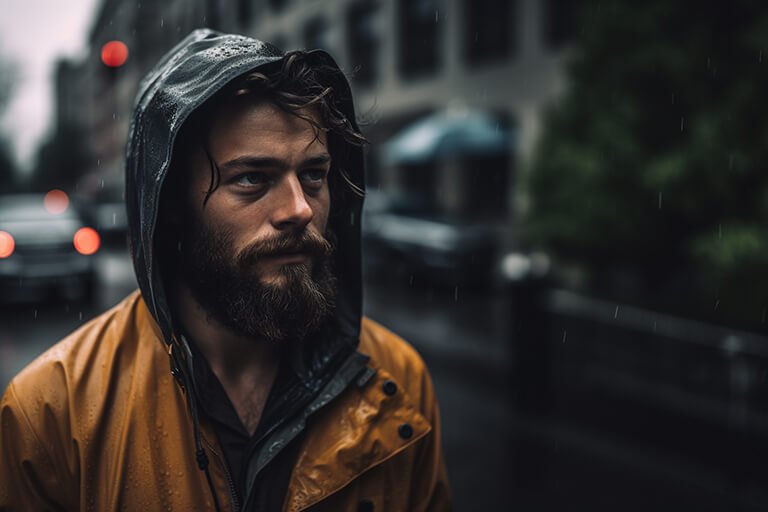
[(43, 252), (403, 237)]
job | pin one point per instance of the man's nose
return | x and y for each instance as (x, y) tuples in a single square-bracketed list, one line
[(292, 209)]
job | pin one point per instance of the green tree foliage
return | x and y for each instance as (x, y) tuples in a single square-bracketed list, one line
[(655, 160)]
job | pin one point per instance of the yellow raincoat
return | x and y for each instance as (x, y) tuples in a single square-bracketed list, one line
[(98, 423)]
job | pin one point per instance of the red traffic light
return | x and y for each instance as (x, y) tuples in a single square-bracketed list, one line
[(114, 54)]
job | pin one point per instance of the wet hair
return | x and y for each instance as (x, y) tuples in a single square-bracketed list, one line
[(294, 84)]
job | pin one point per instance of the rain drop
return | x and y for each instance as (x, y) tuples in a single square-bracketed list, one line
[(660, 199), (162, 22), (565, 335), (616, 313), (456, 294), (682, 123)]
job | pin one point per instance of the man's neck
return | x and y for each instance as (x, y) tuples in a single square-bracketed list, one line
[(245, 367)]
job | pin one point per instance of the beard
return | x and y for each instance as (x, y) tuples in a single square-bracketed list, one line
[(228, 286)]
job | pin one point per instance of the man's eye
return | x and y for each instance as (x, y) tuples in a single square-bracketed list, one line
[(253, 178), (313, 175)]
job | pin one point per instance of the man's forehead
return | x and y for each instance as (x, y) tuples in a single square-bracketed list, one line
[(239, 122), (248, 105)]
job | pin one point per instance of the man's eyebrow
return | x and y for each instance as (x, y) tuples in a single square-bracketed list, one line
[(320, 159), (251, 162)]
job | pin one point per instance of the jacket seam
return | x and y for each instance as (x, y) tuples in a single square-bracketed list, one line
[(12, 389)]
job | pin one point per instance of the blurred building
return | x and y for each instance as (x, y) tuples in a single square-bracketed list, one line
[(407, 58)]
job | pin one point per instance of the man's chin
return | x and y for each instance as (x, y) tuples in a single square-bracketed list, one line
[(285, 273), (274, 280)]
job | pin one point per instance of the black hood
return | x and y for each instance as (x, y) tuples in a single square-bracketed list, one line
[(184, 79)]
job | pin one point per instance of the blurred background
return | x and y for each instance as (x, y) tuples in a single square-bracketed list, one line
[(566, 217)]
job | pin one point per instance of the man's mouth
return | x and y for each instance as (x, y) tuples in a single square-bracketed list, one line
[(286, 258)]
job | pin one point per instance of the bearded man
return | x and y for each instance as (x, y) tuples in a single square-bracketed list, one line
[(244, 186)]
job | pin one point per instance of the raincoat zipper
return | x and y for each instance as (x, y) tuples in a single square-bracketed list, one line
[(233, 499)]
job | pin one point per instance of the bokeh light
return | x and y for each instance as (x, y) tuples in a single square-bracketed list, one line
[(6, 244), (56, 201), (87, 241), (114, 54)]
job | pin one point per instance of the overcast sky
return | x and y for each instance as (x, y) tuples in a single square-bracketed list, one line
[(33, 33)]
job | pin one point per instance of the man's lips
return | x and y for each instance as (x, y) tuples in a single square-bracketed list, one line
[(285, 258)]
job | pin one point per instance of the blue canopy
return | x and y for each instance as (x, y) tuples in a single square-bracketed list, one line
[(446, 135)]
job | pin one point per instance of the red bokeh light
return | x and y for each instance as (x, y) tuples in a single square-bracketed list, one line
[(114, 54), (87, 241), (6, 244), (56, 201)]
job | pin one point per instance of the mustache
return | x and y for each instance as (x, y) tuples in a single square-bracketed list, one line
[(306, 242)]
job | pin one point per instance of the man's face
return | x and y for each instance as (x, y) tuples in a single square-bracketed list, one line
[(254, 256)]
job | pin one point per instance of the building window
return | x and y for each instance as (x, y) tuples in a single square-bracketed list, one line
[(560, 22), (418, 25), (316, 35), (490, 28), (363, 35)]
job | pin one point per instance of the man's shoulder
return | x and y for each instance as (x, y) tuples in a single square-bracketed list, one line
[(390, 352), (87, 350)]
